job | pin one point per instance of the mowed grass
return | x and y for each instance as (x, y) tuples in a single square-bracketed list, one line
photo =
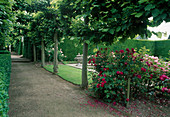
[(68, 73)]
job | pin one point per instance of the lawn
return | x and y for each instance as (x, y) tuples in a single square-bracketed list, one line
[(70, 62), (68, 73)]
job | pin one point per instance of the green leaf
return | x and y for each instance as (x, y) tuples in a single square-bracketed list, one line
[(113, 10), (111, 31), (113, 92), (142, 1), (163, 16), (118, 29), (105, 91), (138, 14), (107, 95), (155, 12), (105, 30), (148, 7)]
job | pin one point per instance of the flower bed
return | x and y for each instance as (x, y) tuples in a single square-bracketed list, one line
[(124, 75)]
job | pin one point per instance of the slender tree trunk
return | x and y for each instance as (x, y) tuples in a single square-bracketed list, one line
[(34, 50), (128, 92), (42, 53), (55, 68), (84, 67)]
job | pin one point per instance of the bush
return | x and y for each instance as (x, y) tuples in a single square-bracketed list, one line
[(5, 70), (115, 69)]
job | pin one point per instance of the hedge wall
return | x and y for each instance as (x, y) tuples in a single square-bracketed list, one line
[(5, 70), (162, 48), (28, 49), (157, 48), (71, 48)]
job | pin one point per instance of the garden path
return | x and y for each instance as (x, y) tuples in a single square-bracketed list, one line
[(34, 92)]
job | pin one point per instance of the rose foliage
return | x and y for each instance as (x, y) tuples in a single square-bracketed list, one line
[(148, 76)]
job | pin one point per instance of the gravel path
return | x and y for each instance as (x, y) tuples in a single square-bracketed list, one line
[(34, 92)]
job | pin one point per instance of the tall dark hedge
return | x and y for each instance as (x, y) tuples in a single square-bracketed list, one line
[(5, 70)]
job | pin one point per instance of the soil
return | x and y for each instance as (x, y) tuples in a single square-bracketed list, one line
[(34, 92)]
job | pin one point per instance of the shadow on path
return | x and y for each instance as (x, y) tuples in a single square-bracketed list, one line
[(34, 92)]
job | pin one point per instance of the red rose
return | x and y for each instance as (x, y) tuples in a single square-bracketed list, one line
[(121, 51), (127, 99), (89, 61), (141, 59), (104, 75), (96, 55), (151, 75), (139, 76), (116, 51), (101, 48), (104, 69), (98, 85), (107, 68), (103, 79), (133, 50), (127, 49), (143, 69), (105, 48)]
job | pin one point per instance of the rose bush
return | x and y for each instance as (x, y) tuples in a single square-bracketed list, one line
[(113, 69)]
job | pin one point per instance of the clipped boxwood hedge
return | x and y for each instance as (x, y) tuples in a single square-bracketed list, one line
[(5, 70)]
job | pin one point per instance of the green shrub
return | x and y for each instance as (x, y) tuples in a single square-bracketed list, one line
[(120, 70), (5, 70)]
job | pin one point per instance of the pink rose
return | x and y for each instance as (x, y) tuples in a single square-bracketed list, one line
[(121, 73), (114, 103), (102, 84), (117, 72), (126, 63)]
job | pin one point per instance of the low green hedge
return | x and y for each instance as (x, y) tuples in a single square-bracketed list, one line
[(5, 70)]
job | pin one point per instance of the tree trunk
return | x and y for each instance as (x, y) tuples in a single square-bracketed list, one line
[(84, 67), (34, 50), (55, 68), (128, 93), (42, 53)]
